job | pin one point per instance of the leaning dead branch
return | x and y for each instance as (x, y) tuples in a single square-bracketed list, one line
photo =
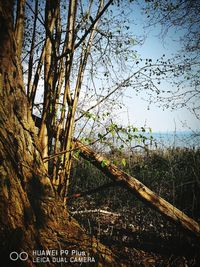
[(139, 190)]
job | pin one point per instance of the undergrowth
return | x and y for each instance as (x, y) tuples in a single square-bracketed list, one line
[(136, 233), (174, 174)]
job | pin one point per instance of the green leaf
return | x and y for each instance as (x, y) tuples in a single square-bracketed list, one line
[(113, 133), (104, 163), (89, 115), (135, 129), (123, 162), (76, 154), (100, 136), (130, 137)]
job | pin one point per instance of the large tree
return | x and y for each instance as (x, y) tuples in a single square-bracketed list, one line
[(31, 217)]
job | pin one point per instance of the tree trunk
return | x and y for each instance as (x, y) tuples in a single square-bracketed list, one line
[(31, 216), (139, 189)]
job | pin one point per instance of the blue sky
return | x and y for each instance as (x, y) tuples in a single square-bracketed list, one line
[(137, 113), (157, 118)]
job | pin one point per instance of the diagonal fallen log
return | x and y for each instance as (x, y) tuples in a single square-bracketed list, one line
[(139, 189)]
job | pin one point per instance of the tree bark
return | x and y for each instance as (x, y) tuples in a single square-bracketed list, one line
[(19, 26), (31, 216), (139, 189)]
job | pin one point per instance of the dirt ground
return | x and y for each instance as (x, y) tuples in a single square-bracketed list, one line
[(141, 237)]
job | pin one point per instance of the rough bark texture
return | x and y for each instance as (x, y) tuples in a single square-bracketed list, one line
[(139, 189), (31, 217)]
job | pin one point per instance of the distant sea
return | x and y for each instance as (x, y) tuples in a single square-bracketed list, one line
[(181, 139)]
